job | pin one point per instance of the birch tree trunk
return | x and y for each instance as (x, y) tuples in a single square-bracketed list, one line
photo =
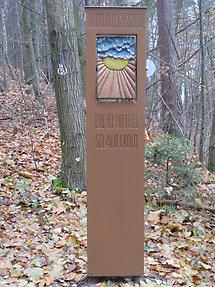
[(68, 90)]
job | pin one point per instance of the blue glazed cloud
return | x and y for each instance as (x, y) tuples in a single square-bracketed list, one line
[(116, 47)]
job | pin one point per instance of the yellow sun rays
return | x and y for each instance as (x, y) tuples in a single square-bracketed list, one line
[(116, 78)]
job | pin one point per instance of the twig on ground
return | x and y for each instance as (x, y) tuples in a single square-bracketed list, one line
[(187, 205)]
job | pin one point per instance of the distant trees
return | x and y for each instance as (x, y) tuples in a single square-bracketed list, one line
[(180, 95), (184, 41)]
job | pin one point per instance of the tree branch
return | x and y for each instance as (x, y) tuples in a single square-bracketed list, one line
[(187, 205)]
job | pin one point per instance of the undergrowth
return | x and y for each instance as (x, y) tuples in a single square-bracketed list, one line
[(171, 169)]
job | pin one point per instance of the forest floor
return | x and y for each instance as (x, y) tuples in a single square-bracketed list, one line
[(43, 229)]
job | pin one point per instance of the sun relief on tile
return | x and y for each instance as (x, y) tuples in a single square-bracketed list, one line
[(116, 68)]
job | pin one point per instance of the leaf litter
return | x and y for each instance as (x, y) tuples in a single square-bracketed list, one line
[(43, 234)]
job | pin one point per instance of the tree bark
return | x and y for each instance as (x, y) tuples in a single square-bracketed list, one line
[(33, 4), (5, 41), (168, 91), (26, 41), (202, 85), (68, 91), (211, 155), (29, 65), (81, 44)]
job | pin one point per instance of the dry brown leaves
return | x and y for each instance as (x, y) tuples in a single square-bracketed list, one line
[(44, 235)]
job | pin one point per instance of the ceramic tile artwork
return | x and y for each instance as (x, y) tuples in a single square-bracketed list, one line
[(116, 67)]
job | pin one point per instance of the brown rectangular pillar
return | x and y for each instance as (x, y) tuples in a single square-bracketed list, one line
[(116, 72)]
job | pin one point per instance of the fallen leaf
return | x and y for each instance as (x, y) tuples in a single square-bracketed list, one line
[(34, 273), (154, 216)]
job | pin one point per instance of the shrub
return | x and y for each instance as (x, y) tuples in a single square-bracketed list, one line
[(58, 184), (176, 158)]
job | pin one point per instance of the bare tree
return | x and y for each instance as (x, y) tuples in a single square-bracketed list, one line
[(6, 58), (202, 83), (33, 5), (29, 43), (166, 48)]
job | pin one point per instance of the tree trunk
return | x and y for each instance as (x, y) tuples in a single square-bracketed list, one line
[(211, 155), (33, 5), (169, 104), (26, 40), (68, 91), (202, 85), (81, 45), (30, 66), (5, 42)]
